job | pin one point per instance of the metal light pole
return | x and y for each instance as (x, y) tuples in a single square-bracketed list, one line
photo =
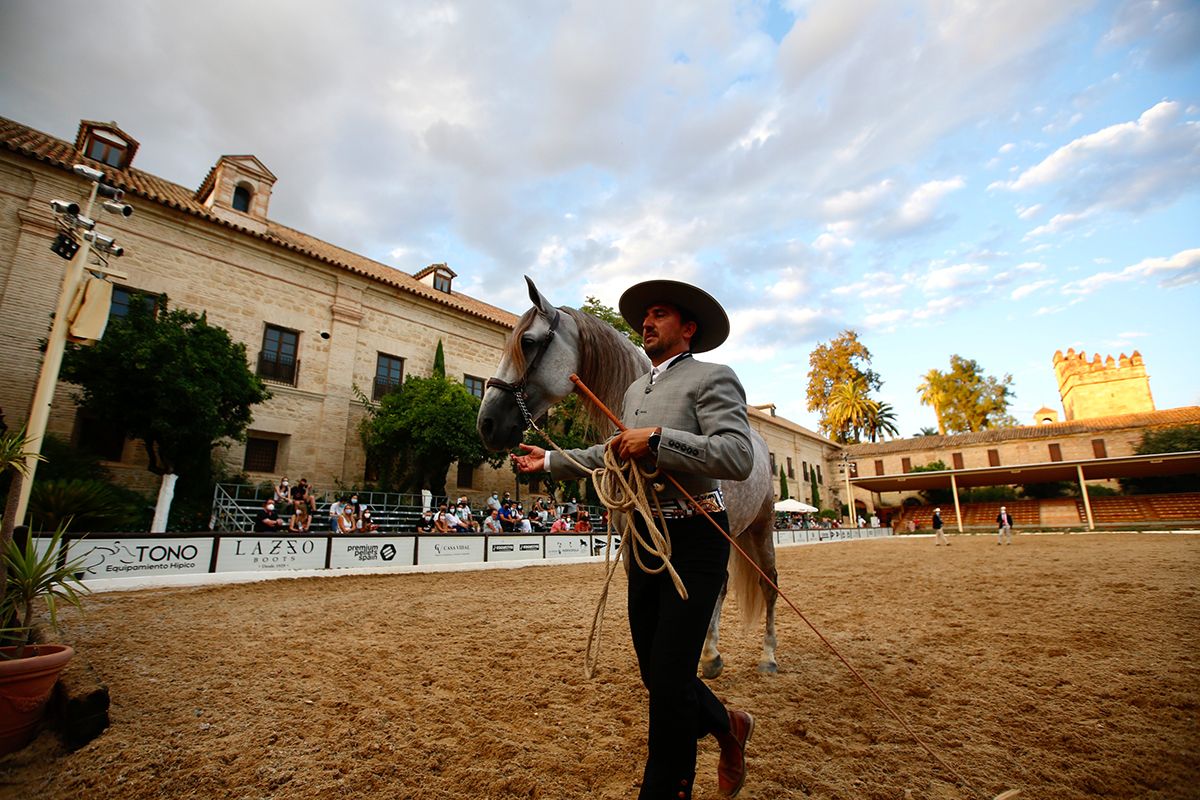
[(43, 397), (850, 512)]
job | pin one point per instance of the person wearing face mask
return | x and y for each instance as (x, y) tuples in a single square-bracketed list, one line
[(267, 520)]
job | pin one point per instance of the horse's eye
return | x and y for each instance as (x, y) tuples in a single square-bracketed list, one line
[(528, 341)]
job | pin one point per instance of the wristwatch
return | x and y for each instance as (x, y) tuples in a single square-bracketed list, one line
[(654, 439)]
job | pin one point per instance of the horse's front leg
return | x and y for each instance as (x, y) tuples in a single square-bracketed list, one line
[(710, 658)]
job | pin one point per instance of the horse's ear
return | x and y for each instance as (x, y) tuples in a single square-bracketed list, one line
[(538, 299)]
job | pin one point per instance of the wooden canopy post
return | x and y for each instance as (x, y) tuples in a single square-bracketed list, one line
[(957, 510), (1087, 504)]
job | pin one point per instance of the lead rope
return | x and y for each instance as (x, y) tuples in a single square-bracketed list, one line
[(621, 487)]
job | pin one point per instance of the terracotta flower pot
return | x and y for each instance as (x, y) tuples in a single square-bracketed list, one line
[(25, 687)]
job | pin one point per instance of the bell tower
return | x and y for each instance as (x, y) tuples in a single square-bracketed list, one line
[(1102, 388)]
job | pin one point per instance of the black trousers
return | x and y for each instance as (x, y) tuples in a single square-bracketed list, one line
[(668, 636)]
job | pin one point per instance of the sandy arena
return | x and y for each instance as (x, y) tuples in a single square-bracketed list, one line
[(1064, 666)]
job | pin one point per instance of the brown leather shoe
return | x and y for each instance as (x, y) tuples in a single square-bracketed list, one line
[(731, 769)]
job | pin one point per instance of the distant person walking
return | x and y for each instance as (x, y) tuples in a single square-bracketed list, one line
[(1004, 526), (936, 522)]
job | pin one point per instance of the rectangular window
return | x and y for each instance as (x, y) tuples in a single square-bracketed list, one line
[(1055, 452), (791, 473), (441, 282), (774, 471), (879, 466), (993, 458), (957, 459), (261, 454), (906, 464), (99, 438), (804, 469), (820, 475), (466, 476), (389, 374), (105, 151), (123, 298), (474, 385), (277, 361), (1098, 448)]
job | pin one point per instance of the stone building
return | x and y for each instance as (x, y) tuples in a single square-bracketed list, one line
[(807, 458), (316, 319), (1102, 388)]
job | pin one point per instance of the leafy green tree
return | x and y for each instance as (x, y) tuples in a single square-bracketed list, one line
[(783, 487), (816, 496), (936, 496), (1180, 439), (439, 361), (926, 432), (965, 399), (843, 360), (613, 317), (173, 382), (417, 431)]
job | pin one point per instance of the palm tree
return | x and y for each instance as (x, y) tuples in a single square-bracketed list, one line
[(849, 409), (881, 422), (926, 432), (932, 392)]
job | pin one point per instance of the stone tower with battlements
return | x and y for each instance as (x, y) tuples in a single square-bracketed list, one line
[(1101, 388)]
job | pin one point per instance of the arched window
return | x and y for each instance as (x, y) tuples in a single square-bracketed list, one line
[(241, 199)]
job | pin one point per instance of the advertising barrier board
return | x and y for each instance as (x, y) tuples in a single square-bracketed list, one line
[(514, 548), (567, 545), (259, 553), (449, 549), (126, 558), (371, 551)]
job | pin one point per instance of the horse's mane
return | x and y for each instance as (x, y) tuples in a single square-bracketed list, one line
[(608, 363), (513, 350)]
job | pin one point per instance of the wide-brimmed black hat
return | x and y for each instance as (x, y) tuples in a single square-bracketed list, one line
[(712, 324)]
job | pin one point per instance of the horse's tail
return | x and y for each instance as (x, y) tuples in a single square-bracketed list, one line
[(744, 580)]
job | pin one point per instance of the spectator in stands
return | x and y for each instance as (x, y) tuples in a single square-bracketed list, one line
[(426, 523), (300, 493), (937, 528), (1004, 526), (358, 507), (561, 525), (507, 515), (492, 523), (584, 524), (283, 493), (346, 520), (463, 512), (267, 520), (570, 508), (301, 520), (335, 512), (493, 502), (523, 525), (365, 525), (445, 522), (862, 523), (874, 521)]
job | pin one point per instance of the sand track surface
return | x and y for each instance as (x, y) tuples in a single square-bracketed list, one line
[(1066, 666)]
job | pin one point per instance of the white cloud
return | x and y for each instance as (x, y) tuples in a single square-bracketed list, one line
[(1181, 269), (1059, 223), (1027, 212), (921, 205), (851, 204), (952, 278), (1031, 288)]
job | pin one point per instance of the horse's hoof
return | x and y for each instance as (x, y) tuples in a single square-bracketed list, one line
[(712, 669), (768, 668)]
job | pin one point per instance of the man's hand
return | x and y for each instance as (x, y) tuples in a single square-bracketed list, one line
[(533, 460), (633, 444)]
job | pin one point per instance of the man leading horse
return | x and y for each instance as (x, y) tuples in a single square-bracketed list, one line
[(688, 417)]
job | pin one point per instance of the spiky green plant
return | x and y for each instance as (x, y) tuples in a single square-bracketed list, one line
[(32, 576)]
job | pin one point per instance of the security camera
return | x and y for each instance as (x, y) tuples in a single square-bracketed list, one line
[(99, 239), (87, 223), (116, 251), (111, 192), (325, 334), (64, 207), (90, 173), (113, 207)]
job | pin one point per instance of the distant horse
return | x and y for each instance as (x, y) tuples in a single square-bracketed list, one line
[(547, 346)]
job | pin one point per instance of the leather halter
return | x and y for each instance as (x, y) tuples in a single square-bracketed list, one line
[(517, 390)]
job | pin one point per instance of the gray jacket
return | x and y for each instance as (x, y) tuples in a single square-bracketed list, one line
[(701, 408)]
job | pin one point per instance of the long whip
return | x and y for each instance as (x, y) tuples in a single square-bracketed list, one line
[(1012, 793)]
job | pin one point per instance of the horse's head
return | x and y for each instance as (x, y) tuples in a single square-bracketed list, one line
[(535, 371)]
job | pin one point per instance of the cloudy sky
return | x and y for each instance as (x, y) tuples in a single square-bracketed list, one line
[(993, 179)]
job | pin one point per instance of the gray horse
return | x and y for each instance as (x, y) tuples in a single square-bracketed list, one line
[(550, 344)]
